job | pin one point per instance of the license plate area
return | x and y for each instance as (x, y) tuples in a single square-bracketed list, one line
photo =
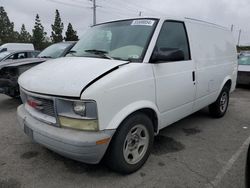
[(28, 131)]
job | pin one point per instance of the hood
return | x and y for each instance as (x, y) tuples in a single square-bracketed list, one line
[(244, 68), (18, 62), (65, 76)]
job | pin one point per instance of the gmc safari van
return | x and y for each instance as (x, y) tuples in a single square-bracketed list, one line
[(123, 82)]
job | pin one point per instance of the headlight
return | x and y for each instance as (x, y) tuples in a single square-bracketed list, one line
[(79, 108), (77, 114)]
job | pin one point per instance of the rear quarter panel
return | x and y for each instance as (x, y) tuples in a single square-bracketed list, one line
[(214, 51)]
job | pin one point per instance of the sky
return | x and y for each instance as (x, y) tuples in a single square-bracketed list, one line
[(79, 12)]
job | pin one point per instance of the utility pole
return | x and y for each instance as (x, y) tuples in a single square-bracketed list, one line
[(239, 37), (140, 13), (232, 28), (94, 12)]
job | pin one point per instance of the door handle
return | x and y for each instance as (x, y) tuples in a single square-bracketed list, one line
[(193, 75)]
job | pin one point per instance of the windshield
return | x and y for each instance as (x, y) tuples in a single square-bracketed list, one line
[(54, 51), (3, 55), (244, 60), (124, 40)]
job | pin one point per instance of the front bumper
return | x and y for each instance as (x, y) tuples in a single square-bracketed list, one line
[(75, 144)]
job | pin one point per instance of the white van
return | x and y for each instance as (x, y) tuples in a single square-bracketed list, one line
[(122, 83), (16, 47)]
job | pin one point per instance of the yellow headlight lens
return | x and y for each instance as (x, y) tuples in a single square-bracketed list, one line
[(81, 124)]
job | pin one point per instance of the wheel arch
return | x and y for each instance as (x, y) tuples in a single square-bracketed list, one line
[(227, 81), (148, 108)]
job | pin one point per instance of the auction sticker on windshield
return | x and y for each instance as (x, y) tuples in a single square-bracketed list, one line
[(143, 22)]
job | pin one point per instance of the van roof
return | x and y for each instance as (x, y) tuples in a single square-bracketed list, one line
[(174, 18)]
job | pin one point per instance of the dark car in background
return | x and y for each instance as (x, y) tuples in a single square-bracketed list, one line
[(20, 54), (10, 71), (244, 69)]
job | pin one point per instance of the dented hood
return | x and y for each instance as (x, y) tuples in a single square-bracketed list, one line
[(65, 76)]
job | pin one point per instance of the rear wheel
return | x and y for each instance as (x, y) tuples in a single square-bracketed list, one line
[(131, 144), (219, 107)]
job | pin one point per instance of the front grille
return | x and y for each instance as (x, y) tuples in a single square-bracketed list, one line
[(47, 106)]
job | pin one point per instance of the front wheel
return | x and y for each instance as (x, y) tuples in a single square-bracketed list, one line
[(219, 107), (131, 144)]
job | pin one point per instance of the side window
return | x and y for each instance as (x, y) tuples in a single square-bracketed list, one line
[(33, 54), (173, 37), (21, 55)]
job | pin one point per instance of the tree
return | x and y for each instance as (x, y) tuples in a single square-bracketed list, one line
[(24, 35), (71, 34), (39, 35), (57, 28), (7, 33)]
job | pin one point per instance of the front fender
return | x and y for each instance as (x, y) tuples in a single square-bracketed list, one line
[(129, 109)]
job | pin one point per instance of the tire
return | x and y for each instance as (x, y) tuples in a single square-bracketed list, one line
[(126, 153), (219, 107)]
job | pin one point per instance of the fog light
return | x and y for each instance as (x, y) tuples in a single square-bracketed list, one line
[(81, 124)]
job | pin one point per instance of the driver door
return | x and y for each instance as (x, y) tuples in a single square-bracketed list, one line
[(175, 79)]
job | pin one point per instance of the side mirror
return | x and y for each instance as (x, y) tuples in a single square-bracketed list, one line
[(167, 55)]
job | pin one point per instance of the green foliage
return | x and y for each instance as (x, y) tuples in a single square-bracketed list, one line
[(24, 35), (39, 36), (71, 34), (7, 33), (57, 28)]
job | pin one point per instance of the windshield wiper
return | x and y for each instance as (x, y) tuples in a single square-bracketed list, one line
[(100, 53), (45, 56), (71, 52)]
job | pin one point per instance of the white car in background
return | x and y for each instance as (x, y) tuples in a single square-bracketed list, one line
[(244, 69), (16, 47), (122, 83)]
